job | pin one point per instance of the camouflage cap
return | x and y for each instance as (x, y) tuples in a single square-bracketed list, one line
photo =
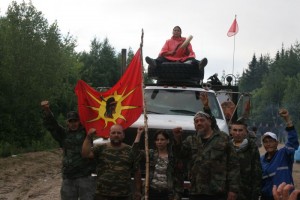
[(72, 115)]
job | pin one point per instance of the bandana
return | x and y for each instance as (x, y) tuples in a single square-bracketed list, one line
[(202, 114)]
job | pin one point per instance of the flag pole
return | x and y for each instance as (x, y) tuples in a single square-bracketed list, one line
[(145, 124), (233, 50)]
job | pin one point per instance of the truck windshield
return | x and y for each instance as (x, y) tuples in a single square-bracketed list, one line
[(179, 102)]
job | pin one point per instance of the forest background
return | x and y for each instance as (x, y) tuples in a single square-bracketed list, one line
[(38, 62)]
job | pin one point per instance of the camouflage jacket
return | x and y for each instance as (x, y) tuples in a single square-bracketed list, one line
[(214, 166), (114, 169), (250, 170), (174, 173), (73, 165)]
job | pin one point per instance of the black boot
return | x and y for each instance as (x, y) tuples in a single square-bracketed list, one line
[(151, 62), (202, 63)]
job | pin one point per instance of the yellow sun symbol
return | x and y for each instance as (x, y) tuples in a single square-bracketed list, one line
[(116, 105)]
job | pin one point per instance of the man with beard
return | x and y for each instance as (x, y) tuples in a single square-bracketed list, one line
[(115, 163), (214, 166)]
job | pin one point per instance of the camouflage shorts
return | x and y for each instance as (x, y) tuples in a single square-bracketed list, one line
[(83, 188)]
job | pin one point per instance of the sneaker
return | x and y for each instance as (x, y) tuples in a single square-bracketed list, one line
[(202, 63), (151, 61)]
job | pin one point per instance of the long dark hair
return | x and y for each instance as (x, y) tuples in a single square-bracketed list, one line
[(179, 29), (161, 132)]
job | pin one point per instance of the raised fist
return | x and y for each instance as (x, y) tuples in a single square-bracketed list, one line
[(45, 105), (91, 132), (285, 115)]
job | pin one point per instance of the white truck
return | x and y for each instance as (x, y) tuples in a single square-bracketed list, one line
[(174, 100)]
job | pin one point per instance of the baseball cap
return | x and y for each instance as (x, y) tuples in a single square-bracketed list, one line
[(72, 115), (202, 114), (271, 135)]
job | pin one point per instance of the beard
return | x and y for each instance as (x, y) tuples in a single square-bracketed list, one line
[(201, 133), (116, 142)]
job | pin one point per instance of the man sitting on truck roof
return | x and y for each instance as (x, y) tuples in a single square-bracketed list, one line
[(173, 51)]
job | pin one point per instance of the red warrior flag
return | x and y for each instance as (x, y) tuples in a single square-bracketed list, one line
[(122, 104), (234, 29)]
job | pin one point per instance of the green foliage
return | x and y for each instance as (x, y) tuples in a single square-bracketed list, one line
[(100, 66), (252, 78), (45, 143), (279, 85), (130, 55), (36, 63), (292, 102), (6, 149)]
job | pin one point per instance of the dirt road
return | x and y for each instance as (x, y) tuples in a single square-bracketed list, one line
[(38, 176), (31, 176)]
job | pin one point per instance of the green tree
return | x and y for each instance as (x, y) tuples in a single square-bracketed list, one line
[(100, 65), (278, 87), (291, 98), (35, 64), (251, 78)]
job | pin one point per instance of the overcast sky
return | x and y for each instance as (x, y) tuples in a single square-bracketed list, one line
[(264, 25)]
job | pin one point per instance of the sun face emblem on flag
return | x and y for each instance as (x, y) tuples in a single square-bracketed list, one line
[(111, 107), (121, 104)]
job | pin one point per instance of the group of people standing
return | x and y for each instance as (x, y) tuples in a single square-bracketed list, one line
[(220, 166)]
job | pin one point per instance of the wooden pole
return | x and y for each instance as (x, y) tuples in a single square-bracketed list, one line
[(145, 124), (123, 65)]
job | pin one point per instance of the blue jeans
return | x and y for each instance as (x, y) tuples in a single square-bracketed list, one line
[(83, 188)]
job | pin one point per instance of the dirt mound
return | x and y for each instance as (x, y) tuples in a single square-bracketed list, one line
[(31, 176)]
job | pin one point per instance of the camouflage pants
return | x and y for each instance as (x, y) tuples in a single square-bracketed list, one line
[(83, 188), (101, 197), (158, 195)]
